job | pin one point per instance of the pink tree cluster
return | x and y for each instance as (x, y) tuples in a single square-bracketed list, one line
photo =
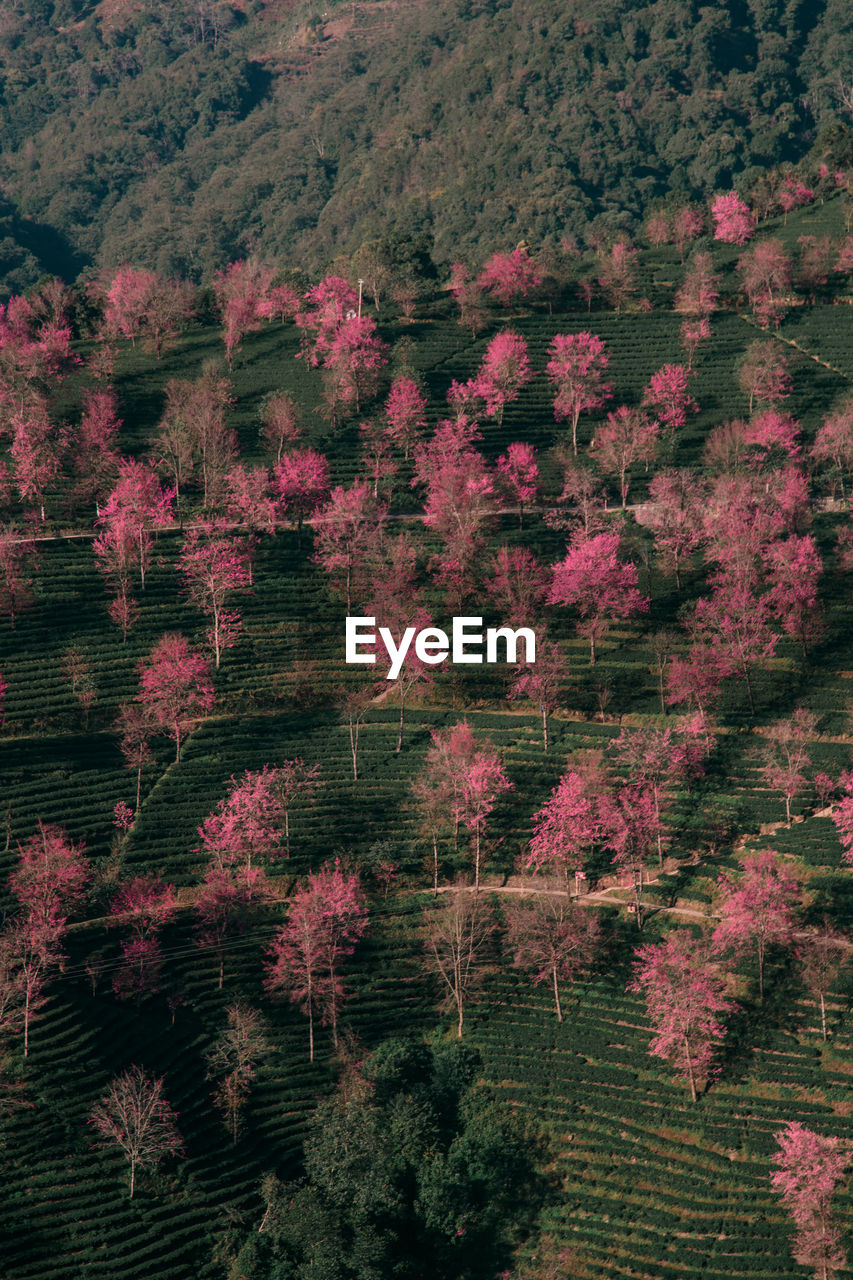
[(507, 276), (600, 587), (576, 372)]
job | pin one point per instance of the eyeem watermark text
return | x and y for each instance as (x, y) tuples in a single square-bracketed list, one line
[(432, 645)]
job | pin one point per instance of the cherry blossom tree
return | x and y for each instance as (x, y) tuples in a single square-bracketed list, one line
[(301, 481), (660, 759), (213, 567), (248, 824), (226, 901), (18, 560), (405, 410), (325, 921), (280, 419), (96, 460), (809, 1167), (470, 297), (135, 727), (735, 622), (693, 333), (34, 452), (765, 271), (482, 781), (763, 374), (143, 905), (460, 508), (232, 1060), (675, 518), (833, 443), (343, 526), (688, 223), (517, 474), (786, 755), (135, 508), (626, 438), (617, 273), (376, 460), (576, 371), (354, 358), (633, 829), (541, 682), (457, 935), (757, 911), (593, 580), (134, 1115), (668, 398), (553, 939), (48, 881), (507, 276), (241, 290), (518, 584), (685, 1000), (733, 222), (821, 957), (504, 370), (700, 290), (175, 687), (328, 305), (571, 823)]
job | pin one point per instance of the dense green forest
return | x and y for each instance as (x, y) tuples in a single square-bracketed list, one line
[(180, 136)]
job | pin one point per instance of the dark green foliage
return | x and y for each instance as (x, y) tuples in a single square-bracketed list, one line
[(178, 136), (411, 1172)]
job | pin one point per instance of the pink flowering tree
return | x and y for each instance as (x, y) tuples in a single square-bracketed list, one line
[(554, 940), (809, 1168), (763, 374), (142, 906), (576, 372), (517, 474), (685, 1001), (481, 782), (661, 759), (134, 1115), (280, 423), (593, 581), (342, 528), (617, 273), (214, 566), (507, 276), (571, 823), (518, 584), (541, 682), (794, 567), (765, 271), (504, 370), (733, 222), (18, 560), (405, 410), (675, 518), (627, 437), (668, 398), (757, 911), (326, 919), (241, 293), (300, 480), (225, 905), (175, 687), (134, 510)]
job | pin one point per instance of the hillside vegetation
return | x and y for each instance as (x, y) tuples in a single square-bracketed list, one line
[(180, 136)]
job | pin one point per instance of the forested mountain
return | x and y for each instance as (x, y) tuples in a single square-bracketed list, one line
[(179, 136)]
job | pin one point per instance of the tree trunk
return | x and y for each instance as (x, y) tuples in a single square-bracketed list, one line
[(689, 1068), (557, 995), (544, 728), (132, 1175), (399, 746), (822, 1016), (434, 865)]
